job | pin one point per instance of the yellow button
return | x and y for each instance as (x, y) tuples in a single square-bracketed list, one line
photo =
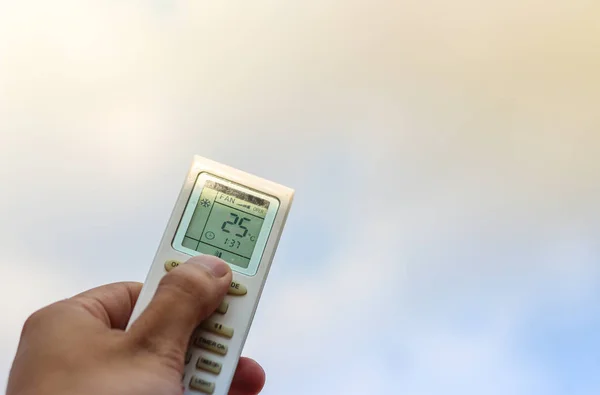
[(198, 384), (216, 328), (171, 264), (208, 365), (222, 309), (211, 345), (236, 288)]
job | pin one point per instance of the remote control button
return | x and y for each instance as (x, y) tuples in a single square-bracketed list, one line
[(223, 307), (208, 365), (171, 264), (198, 384), (216, 328), (188, 356), (236, 288), (211, 345)]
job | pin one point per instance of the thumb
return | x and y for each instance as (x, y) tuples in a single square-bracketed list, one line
[(184, 297)]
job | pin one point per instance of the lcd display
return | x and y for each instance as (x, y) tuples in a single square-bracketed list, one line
[(226, 222)]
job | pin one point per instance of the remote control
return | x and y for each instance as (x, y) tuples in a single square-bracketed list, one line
[(239, 218)]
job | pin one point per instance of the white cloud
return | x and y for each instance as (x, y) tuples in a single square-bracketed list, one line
[(446, 151)]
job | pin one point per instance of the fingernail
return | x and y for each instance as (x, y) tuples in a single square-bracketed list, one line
[(217, 267)]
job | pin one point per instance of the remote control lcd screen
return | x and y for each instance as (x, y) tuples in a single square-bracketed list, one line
[(226, 223)]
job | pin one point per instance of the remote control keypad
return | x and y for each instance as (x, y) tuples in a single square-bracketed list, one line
[(208, 365), (223, 307), (238, 289), (211, 345), (205, 363), (198, 384), (171, 264), (217, 328)]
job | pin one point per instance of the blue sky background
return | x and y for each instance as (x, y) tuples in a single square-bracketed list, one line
[(444, 235)]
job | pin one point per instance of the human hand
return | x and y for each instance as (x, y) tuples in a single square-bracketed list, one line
[(79, 346)]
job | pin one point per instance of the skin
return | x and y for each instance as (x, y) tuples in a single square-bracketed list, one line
[(79, 346)]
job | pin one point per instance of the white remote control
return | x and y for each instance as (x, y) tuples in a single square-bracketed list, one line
[(238, 217)]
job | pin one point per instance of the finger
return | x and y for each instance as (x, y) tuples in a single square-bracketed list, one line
[(112, 304), (184, 297), (249, 378)]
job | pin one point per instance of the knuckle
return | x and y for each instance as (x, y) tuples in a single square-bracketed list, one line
[(31, 322), (34, 321)]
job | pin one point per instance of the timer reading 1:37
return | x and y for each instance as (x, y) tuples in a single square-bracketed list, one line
[(237, 231)]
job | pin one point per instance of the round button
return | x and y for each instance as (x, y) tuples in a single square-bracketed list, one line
[(171, 264)]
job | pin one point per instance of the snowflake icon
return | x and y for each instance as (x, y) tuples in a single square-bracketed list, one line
[(205, 202)]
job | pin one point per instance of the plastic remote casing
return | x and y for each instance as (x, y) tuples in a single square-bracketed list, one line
[(211, 352)]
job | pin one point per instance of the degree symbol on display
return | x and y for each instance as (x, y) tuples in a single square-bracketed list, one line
[(210, 235)]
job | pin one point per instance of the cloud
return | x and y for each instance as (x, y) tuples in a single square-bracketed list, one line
[(444, 156)]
